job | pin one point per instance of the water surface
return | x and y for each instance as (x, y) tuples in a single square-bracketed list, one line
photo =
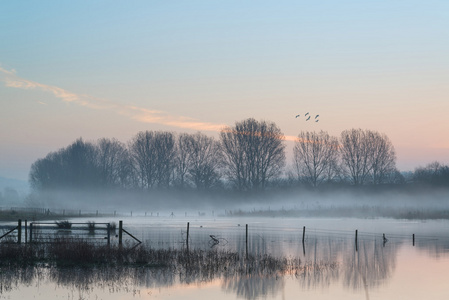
[(336, 267)]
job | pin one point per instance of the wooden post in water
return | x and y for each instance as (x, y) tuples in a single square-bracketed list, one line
[(246, 241), (109, 233), (356, 246), (413, 240), (26, 231), (303, 239), (187, 239), (31, 232), (120, 228), (19, 231)]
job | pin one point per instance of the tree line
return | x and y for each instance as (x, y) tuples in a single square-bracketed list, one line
[(249, 156)]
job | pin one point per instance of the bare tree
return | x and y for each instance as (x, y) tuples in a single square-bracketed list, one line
[(182, 159), (367, 156), (153, 156), (45, 172), (254, 153), (198, 161), (434, 173), (205, 160), (383, 157), (71, 167), (355, 155), (315, 156), (114, 163)]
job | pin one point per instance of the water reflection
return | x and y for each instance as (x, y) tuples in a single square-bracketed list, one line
[(328, 261), (253, 287), (325, 261), (370, 266)]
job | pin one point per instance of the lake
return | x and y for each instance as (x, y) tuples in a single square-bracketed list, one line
[(336, 266)]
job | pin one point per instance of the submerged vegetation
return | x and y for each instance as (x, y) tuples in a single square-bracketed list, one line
[(78, 252), (63, 224)]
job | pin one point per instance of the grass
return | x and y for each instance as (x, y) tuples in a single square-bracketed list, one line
[(67, 252), (91, 225), (112, 226), (64, 224)]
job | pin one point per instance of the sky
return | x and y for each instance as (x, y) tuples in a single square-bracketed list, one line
[(95, 69)]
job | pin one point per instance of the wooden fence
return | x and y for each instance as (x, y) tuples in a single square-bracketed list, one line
[(42, 231)]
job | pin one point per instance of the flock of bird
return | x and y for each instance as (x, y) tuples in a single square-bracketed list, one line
[(308, 118)]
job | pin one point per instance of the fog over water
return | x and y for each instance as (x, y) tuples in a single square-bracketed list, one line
[(338, 203)]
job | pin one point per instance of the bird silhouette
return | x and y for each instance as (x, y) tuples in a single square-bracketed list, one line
[(308, 118), (306, 114), (297, 116), (317, 116), (316, 120)]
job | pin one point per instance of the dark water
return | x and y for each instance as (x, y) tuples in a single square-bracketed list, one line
[(335, 266)]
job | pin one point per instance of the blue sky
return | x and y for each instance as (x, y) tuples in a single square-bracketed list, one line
[(95, 69)]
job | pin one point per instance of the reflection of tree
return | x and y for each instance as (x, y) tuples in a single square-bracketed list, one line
[(250, 277), (253, 287), (370, 266), (436, 246), (319, 275)]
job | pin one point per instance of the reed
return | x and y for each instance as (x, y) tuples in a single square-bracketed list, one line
[(63, 224), (112, 226), (82, 252), (91, 225)]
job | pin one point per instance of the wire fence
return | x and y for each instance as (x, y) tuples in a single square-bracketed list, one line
[(283, 239)]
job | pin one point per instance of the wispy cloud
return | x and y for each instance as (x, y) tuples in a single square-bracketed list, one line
[(139, 114)]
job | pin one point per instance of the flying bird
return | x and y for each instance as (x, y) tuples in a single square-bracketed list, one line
[(306, 114), (317, 116), (316, 120), (297, 116), (308, 118)]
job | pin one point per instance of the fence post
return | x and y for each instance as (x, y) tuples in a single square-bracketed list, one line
[(19, 231), (120, 228), (413, 239), (187, 240), (356, 246), (31, 232), (109, 233), (246, 241), (26, 231)]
